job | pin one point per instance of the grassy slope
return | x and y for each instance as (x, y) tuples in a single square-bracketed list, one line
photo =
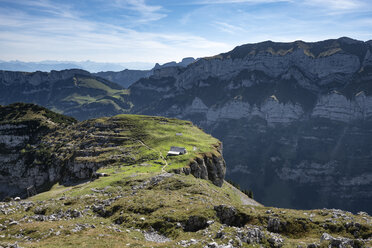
[(143, 203), (101, 90), (134, 139), (20, 112)]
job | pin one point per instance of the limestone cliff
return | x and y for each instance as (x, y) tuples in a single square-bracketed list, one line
[(210, 166)]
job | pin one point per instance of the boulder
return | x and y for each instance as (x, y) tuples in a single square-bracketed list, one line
[(195, 223), (231, 216)]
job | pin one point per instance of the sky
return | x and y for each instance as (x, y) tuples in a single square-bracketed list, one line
[(168, 30)]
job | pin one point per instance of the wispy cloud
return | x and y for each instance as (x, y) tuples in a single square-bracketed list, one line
[(336, 4), (58, 9), (228, 28), (239, 1), (71, 37), (147, 13)]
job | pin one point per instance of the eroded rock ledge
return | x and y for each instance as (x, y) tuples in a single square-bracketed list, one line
[(209, 166)]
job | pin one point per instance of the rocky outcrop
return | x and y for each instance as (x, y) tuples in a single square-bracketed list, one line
[(195, 223), (209, 167), (231, 216), (340, 242)]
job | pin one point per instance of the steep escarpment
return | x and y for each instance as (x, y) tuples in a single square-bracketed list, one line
[(23, 159), (281, 109), (40, 148), (72, 92), (208, 166)]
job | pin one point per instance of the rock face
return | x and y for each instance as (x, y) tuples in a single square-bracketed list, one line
[(288, 114), (43, 157), (21, 129), (211, 168)]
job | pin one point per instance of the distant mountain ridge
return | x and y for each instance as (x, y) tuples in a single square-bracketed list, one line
[(185, 62), (73, 92), (114, 72), (127, 77)]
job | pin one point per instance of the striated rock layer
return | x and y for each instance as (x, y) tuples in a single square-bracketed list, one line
[(209, 167)]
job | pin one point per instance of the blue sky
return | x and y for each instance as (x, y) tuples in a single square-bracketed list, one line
[(168, 30)]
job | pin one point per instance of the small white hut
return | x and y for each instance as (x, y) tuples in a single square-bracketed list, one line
[(175, 151)]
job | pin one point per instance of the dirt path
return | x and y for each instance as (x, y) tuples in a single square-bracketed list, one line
[(160, 154)]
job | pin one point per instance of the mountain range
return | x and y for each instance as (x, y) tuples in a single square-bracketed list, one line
[(114, 72), (127, 77), (294, 118)]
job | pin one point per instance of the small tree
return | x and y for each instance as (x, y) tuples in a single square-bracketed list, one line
[(250, 194)]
